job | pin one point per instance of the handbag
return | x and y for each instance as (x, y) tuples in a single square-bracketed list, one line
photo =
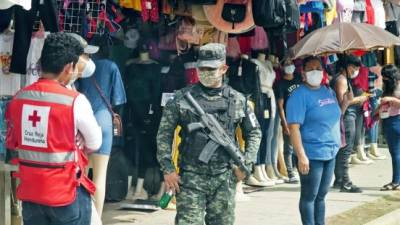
[(117, 121)]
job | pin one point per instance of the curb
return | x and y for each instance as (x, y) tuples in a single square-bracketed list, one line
[(391, 218)]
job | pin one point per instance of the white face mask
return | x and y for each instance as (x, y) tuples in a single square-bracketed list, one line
[(289, 69), (89, 69), (314, 77), (355, 74)]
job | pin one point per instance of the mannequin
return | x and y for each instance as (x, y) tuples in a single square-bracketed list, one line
[(272, 141), (266, 77), (144, 92)]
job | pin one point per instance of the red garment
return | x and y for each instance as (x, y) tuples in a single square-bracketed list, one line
[(361, 81), (150, 11), (245, 45), (191, 74), (369, 10), (41, 128), (367, 114)]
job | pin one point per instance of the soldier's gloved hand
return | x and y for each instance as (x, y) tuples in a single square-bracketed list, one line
[(240, 175), (172, 182)]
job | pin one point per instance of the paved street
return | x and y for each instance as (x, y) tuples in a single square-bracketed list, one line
[(277, 205)]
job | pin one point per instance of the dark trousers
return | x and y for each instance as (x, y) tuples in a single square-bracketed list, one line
[(314, 188), (24, 21), (288, 155), (77, 213), (391, 129), (265, 125), (342, 158)]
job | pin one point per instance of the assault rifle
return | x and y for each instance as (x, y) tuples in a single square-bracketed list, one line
[(218, 136)]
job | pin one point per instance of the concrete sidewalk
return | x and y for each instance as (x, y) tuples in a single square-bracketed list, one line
[(277, 205)]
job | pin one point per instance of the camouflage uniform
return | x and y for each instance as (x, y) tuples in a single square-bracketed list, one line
[(207, 190)]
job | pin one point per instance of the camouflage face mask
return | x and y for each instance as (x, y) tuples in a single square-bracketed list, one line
[(209, 78)]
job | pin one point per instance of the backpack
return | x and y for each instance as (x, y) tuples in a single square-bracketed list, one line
[(269, 13)]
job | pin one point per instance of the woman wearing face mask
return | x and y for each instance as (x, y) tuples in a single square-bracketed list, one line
[(389, 111), (104, 85), (313, 115), (352, 113)]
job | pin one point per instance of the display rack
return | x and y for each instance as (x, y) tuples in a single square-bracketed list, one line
[(82, 16)]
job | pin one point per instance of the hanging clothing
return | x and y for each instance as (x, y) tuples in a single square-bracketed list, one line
[(369, 12), (331, 14), (345, 11), (150, 11), (24, 21), (379, 12), (10, 82), (3, 125), (32, 61), (359, 11)]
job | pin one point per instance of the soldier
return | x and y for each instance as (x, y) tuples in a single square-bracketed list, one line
[(206, 192)]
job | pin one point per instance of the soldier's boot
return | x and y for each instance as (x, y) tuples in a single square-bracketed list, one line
[(259, 175), (362, 156), (375, 153), (140, 192)]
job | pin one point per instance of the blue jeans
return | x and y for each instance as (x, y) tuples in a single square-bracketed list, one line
[(372, 133), (104, 119), (77, 213), (272, 140), (314, 187), (391, 129)]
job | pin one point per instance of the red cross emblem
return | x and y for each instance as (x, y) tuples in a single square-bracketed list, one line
[(34, 118)]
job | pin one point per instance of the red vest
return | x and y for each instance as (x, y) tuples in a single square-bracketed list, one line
[(42, 131)]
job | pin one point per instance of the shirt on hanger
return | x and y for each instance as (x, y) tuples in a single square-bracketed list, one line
[(10, 83), (32, 62), (344, 10), (379, 12)]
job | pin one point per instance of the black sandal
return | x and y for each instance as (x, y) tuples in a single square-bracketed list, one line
[(390, 187)]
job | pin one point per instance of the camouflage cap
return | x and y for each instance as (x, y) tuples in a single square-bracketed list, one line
[(88, 49), (211, 55)]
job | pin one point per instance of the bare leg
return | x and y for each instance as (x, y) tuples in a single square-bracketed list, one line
[(99, 164)]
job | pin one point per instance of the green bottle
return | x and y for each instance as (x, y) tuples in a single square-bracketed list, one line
[(166, 198)]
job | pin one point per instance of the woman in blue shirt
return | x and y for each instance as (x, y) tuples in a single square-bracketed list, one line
[(313, 115)]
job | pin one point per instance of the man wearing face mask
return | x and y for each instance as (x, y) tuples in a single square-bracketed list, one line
[(352, 114), (285, 87), (206, 192), (85, 66), (313, 115), (43, 120)]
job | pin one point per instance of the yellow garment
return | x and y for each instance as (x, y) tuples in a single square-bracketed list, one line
[(389, 55), (239, 137), (131, 4), (331, 15), (175, 149), (239, 133)]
